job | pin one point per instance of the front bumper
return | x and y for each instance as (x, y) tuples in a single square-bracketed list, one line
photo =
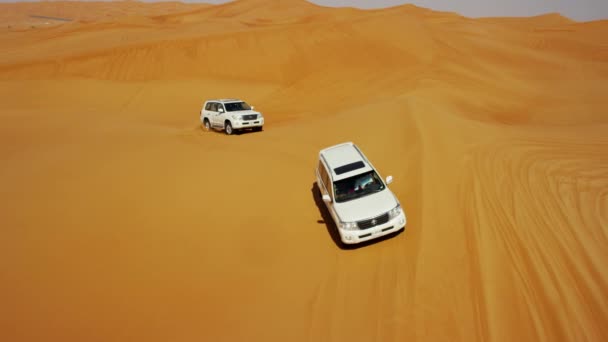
[(357, 236), (236, 124)]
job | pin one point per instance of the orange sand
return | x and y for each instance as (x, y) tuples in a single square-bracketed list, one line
[(123, 221)]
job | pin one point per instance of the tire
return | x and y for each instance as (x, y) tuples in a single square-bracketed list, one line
[(206, 125), (228, 128), (258, 129)]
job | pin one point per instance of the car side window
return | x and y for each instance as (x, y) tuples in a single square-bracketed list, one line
[(220, 106), (214, 107), (208, 106)]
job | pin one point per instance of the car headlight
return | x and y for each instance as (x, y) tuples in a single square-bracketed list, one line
[(394, 212), (348, 225), (237, 117)]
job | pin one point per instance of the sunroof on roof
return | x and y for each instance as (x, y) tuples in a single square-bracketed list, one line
[(349, 167)]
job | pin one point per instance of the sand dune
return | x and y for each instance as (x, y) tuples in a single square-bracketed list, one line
[(122, 220), (28, 15)]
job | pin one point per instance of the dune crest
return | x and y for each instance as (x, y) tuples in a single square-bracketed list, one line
[(123, 221), (27, 15)]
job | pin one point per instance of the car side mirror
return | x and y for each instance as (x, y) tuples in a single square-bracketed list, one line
[(220, 110), (326, 198), (389, 180)]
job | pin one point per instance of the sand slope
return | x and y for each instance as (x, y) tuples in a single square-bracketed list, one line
[(122, 220), (29, 15)]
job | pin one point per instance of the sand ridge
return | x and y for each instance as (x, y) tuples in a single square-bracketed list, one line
[(122, 220)]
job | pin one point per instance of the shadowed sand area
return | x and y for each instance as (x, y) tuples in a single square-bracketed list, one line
[(123, 221)]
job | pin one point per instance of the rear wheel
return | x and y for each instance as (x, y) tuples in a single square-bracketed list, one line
[(228, 128), (206, 125)]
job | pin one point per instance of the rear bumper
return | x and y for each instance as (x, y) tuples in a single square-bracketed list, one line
[(350, 237)]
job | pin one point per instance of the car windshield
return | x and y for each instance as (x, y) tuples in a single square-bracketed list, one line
[(236, 106), (357, 186)]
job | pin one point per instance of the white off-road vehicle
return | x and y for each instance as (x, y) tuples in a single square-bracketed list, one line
[(357, 198), (230, 115)]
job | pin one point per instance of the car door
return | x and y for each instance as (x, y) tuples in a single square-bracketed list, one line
[(212, 114), (330, 190), (326, 188), (205, 111), (221, 114)]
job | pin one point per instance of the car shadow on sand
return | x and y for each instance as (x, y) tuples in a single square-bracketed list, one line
[(330, 225)]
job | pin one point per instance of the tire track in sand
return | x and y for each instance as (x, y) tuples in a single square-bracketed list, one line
[(534, 215)]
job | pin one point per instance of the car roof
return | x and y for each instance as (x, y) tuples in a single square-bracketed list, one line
[(225, 100), (345, 160)]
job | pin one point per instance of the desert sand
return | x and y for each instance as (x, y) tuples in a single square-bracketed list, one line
[(122, 220)]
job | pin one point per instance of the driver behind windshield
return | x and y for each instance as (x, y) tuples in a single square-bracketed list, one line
[(236, 106), (362, 182), (357, 186)]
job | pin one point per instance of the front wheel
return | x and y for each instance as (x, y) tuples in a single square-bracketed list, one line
[(257, 129), (228, 128), (206, 125)]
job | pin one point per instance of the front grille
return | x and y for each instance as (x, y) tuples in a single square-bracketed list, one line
[(365, 224), (250, 117)]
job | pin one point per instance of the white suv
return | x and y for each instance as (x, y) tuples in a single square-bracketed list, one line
[(357, 198), (230, 115)]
